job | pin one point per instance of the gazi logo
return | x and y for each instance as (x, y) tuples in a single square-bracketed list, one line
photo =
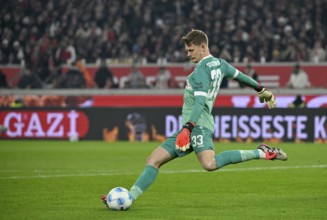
[(44, 124)]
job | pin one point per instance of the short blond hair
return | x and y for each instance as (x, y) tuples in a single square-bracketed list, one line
[(196, 37)]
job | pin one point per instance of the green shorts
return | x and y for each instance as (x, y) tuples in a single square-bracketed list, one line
[(201, 139)]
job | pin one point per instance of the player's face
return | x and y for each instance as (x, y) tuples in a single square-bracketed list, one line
[(195, 52)]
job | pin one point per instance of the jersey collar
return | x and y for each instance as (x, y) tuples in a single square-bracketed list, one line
[(206, 57)]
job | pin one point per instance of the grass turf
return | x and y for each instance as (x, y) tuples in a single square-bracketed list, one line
[(63, 180)]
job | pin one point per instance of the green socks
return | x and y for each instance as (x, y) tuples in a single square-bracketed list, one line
[(235, 156), (144, 181)]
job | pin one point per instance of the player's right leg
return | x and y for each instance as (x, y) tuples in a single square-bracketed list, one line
[(163, 154), (158, 157)]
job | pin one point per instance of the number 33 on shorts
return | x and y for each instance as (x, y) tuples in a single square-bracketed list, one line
[(197, 141), (201, 139)]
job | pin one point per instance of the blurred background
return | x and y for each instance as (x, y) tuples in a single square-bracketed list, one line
[(71, 59)]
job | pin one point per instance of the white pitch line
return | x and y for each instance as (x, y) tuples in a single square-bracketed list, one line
[(163, 171)]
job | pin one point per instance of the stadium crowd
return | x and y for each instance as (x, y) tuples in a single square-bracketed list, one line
[(46, 34)]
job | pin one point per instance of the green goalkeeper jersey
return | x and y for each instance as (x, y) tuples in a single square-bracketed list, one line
[(202, 87)]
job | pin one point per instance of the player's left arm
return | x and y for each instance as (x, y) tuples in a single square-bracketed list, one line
[(264, 94)]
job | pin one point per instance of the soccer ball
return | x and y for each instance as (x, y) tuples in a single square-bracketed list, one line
[(119, 198)]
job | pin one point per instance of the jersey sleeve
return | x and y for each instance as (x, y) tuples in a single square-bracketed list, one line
[(228, 70), (248, 81), (233, 73)]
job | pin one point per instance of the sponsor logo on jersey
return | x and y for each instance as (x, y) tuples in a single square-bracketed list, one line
[(213, 63)]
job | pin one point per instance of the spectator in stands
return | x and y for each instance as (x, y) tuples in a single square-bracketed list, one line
[(163, 78), (250, 71), (104, 77), (86, 74), (29, 80), (136, 79), (318, 53), (45, 65), (276, 26), (66, 52), (299, 78), (17, 54), (72, 79), (298, 102), (3, 81), (289, 45)]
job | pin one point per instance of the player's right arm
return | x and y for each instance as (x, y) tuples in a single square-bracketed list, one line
[(200, 87)]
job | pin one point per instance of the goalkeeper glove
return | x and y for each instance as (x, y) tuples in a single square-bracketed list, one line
[(266, 96), (183, 138)]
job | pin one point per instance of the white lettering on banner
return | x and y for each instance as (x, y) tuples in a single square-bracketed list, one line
[(289, 127), (300, 125), (34, 127), (320, 128), (279, 130), (17, 124), (234, 126), (217, 129), (180, 121), (258, 127), (72, 115), (54, 120), (244, 130), (40, 124), (266, 128), (225, 126), (255, 129), (171, 125)]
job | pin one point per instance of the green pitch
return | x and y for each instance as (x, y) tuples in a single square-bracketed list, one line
[(64, 180)]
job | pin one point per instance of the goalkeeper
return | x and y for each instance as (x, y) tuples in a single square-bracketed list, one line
[(201, 90)]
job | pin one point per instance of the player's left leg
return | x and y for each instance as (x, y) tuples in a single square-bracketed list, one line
[(210, 161), (201, 141)]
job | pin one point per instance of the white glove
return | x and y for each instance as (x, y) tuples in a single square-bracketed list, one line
[(266, 96)]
